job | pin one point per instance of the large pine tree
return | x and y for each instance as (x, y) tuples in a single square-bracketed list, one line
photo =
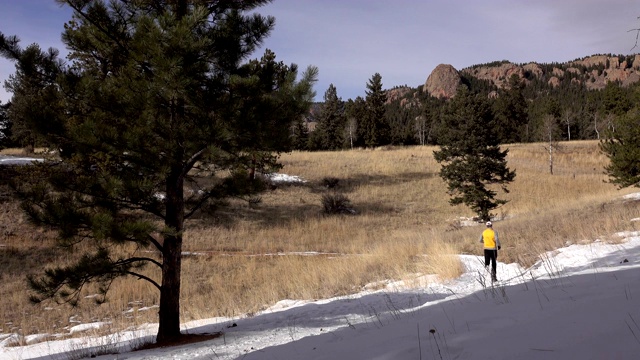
[(471, 159), (158, 115), (329, 132), (35, 106), (377, 131), (622, 147), (511, 112)]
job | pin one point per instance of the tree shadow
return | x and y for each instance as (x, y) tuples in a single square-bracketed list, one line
[(268, 215), (350, 184)]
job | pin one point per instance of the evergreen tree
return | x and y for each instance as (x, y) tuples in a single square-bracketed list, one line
[(622, 147), (401, 124), (511, 112), (5, 127), (159, 116), (470, 154), (377, 131), (614, 100), (300, 134), (36, 106), (332, 121), (428, 123)]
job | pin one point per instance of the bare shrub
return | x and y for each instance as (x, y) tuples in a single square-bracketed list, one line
[(336, 203)]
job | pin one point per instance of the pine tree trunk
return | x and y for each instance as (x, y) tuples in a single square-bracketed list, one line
[(169, 313)]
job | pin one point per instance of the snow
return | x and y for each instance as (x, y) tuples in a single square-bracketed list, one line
[(633, 196), (87, 327), (284, 178), (578, 302), (13, 160)]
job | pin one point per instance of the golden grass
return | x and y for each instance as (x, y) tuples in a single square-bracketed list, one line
[(21, 151), (247, 258)]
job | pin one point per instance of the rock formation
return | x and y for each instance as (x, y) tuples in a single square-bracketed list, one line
[(443, 82), (594, 72)]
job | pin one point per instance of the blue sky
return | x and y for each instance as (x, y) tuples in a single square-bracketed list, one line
[(403, 40)]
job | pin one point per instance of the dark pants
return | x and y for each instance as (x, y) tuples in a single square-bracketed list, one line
[(490, 257)]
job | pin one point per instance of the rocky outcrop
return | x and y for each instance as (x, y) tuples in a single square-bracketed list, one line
[(594, 72), (397, 93), (443, 82), (592, 61), (400, 93), (601, 69), (499, 75), (557, 72), (533, 69)]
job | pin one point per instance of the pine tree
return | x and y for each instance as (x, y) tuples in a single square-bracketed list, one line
[(511, 112), (377, 131), (614, 100), (331, 122), (159, 117), (5, 126), (470, 155), (36, 105), (300, 134), (622, 147)]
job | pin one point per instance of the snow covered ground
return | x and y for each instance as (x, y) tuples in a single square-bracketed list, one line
[(14, 160), (578, 302)]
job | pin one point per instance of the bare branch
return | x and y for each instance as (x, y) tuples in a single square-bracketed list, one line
[(637, 35)]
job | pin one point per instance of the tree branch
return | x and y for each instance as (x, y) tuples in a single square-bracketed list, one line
[(155, 243), (143, 277), (137, 259), (637, 35)]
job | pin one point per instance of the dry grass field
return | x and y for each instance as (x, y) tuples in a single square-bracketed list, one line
[(245, 258)]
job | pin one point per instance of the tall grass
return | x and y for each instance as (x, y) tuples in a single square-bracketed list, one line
[(246, 258)]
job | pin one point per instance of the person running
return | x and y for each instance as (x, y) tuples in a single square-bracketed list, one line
[(489, 238)]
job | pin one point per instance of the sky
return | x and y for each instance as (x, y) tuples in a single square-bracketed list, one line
[(577, 302), (402, 40)]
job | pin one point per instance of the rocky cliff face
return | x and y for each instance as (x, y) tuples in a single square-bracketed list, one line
[(499, 75), (443, 82), (601, 69), (594, 72)]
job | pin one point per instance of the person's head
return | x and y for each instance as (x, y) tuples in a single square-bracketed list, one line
[(489, 224)]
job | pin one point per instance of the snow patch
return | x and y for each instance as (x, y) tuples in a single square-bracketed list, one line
[(284, 178), (633, 196), (19, 160), (86, 327)]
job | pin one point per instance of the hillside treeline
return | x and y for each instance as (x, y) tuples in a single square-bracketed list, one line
[(527, 110)]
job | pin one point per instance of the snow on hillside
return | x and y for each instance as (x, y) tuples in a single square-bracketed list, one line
[(578, 302)]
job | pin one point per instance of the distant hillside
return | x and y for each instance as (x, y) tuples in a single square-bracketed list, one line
[(582, 96), (592, 72)]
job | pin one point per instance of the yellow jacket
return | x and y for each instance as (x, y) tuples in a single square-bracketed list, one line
[(490, 239)]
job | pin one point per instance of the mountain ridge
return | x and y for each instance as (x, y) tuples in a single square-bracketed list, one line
[(593, 72)]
